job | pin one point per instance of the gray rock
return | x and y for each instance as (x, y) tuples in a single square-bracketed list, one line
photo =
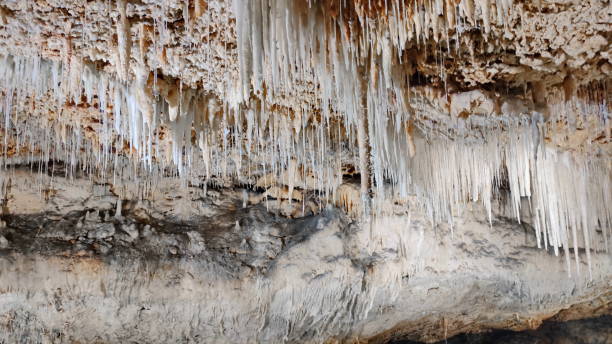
[(146, 231), (4, 243), (101, 231), (131, 230)]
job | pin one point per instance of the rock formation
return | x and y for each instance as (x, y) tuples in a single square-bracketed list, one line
[(304, 170)]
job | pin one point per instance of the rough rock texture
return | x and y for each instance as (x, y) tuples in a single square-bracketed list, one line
[(195, 265), (591, 331), (543, 41), (302, 170), (536, 51)]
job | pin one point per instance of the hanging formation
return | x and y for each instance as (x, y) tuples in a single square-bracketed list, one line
[(361, 109)]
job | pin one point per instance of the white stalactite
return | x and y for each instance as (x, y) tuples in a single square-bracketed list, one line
[(364, 100)]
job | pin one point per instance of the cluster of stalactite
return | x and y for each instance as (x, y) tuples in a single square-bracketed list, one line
[(366, 114)]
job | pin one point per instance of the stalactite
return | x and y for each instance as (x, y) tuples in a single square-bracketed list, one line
[(358, 68), (124, 40)]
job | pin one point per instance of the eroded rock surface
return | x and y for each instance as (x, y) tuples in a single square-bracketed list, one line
[(592, 331), (211, 268)]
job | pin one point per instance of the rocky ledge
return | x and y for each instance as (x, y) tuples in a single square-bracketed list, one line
[(193, 264)]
